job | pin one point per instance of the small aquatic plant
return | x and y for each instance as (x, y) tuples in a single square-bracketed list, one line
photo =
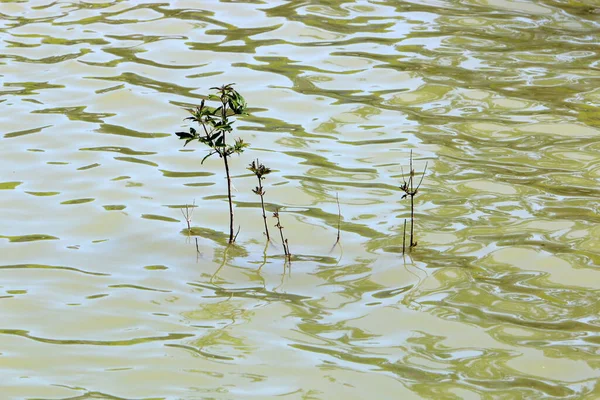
[(260, 170), (409, 189), (284, 241), (216, 125)]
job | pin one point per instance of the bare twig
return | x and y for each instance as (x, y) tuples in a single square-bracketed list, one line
[(337, 199), (260, 171), (410, 190), (187, 215), (284, 241), (404, 238)]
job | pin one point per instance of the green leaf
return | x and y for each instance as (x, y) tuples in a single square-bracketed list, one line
[(184, 135), (236, 102)]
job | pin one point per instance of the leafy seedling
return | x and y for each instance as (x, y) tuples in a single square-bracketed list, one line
[(216, 124), (260, 171)]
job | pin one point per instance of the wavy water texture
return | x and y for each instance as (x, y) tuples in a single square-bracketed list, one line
[(107, 293)]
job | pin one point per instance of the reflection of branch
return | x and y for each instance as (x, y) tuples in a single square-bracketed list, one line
[(264, 256), (404, 238), (222, 263), (409, 297), (197, 251), (285, 264)]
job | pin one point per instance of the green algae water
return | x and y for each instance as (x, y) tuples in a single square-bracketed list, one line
[(106, 294)]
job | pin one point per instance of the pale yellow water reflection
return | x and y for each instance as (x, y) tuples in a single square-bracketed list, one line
[(106, 294)]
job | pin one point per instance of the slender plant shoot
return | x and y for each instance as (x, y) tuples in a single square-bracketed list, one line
[(409, 189), (337, 199), (284, 241), (260, 171), (216, 124), (187, 213), (404, 238)]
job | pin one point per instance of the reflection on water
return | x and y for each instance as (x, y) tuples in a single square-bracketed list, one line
[(99, 270)]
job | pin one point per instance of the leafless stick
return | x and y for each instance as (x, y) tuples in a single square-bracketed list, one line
[(408, 187), (187, 215), (337, 199), (283, 240)]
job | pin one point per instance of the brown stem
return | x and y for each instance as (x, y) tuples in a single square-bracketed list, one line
[(283, 241), (412, 220), (262, 203), (404, 238), (229, 198), (224, 155), (337, 199)]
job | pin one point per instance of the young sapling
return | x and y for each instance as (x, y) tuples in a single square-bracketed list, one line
[(260, 171), (216, 124)]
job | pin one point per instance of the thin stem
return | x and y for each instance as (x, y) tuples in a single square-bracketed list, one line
[(229, 198), (404, 238), (224, 155), (283, 240), (264, 257), (337, 199), (412, 220), (262, 204)]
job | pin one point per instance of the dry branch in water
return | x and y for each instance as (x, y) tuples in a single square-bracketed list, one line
[(410, 190)]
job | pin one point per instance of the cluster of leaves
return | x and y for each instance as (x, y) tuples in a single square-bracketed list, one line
[(260, 170), (216, 122)]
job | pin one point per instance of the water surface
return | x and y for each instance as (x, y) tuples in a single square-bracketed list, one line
[(104, 294)]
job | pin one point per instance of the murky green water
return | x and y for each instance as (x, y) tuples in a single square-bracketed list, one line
[(103, 294)]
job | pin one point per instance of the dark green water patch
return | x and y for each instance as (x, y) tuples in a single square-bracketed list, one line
[(9, 185), (77, 201), (94, 165), (123, 150), (122, 131), (123, 342), (177, 174), (159, 218), (29, 238), (42, 194), (136, 161), (51, 267), (26, 132), (114, 207), (76, 114)]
